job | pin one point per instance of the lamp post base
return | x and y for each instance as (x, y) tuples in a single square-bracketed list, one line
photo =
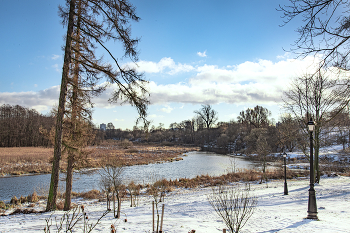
[(285, 189), (312, 206)]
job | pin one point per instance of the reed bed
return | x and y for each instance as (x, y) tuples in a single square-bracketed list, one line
[(37, 160), (23, 160)]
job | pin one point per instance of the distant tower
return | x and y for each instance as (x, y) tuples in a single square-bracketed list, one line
[(103, 126)]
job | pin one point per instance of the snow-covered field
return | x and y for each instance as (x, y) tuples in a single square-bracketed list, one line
[(187, 209)]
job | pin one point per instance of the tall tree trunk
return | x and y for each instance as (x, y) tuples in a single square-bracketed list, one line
[(114, 204), (74, 118), (51, 200), (119, 205), (317, 152), (69, 178)]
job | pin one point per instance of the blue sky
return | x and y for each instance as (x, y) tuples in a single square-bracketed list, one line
[(230, 54)]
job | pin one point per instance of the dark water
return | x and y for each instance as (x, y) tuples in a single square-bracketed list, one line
[(196, 163)]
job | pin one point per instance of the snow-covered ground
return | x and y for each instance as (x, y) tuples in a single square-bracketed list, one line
[(187, 209)]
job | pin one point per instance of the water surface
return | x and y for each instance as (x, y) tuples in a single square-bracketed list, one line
[(195, 163)]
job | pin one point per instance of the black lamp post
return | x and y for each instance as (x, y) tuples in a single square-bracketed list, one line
[(312, 207), (285, 174)]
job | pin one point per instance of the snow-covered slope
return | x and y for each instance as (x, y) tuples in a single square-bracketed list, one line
[(187, 209)]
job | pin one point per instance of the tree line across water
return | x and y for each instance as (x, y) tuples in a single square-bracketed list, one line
[(252, 132)]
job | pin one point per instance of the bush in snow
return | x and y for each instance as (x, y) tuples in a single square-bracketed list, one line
[(235, 206)]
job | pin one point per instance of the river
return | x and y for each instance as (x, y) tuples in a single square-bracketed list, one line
[(195, 163)]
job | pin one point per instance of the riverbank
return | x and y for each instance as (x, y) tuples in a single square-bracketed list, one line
[(37, 160), (189, 209)]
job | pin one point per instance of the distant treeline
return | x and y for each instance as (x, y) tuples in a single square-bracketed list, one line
[(20, 127), (253, 132)]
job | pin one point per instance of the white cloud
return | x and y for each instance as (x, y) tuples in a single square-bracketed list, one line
[(165, 65), (261, 82), (55, 66), (154, 116), (41, 100), (202, 54), (284, 56), (118, 119), (167, 109), (55, 57)]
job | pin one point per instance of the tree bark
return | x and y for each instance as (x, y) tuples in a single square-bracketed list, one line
[(74, 116), (69, 179), (317, 152), (51, 200)]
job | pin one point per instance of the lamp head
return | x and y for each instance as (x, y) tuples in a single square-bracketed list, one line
[(284, 154), (311, 125)]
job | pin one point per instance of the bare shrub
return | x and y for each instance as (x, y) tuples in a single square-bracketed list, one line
[(92, 194), (106, 187), (111, 176), (157, 191), (235, 206), (72, 220), (33, 197), (2, 205), (60, 205), (134, 191), (14, 200), (22, 200)]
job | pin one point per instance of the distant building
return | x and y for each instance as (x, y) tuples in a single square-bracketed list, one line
[(103, 126)]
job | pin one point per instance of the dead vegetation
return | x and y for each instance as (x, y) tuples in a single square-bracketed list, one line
[(241, 175), (37, 160), (23, 160)]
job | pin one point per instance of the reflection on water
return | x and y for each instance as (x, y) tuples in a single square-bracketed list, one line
[(196, 163)]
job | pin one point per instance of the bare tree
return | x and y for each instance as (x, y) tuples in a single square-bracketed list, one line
[(314, 96), (208, 115), (340, 125), (257, 144), (256, 117), (324, 30), (263, 149), (288, 132), (233, 205)]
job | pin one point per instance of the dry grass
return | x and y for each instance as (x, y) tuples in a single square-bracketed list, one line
[(244, 175), (24, 160), (92, 194), (136, 154)]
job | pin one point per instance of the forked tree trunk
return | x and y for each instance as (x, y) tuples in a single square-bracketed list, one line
[(51, 200)]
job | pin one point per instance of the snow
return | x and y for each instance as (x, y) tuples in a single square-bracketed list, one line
[(187, 209)]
